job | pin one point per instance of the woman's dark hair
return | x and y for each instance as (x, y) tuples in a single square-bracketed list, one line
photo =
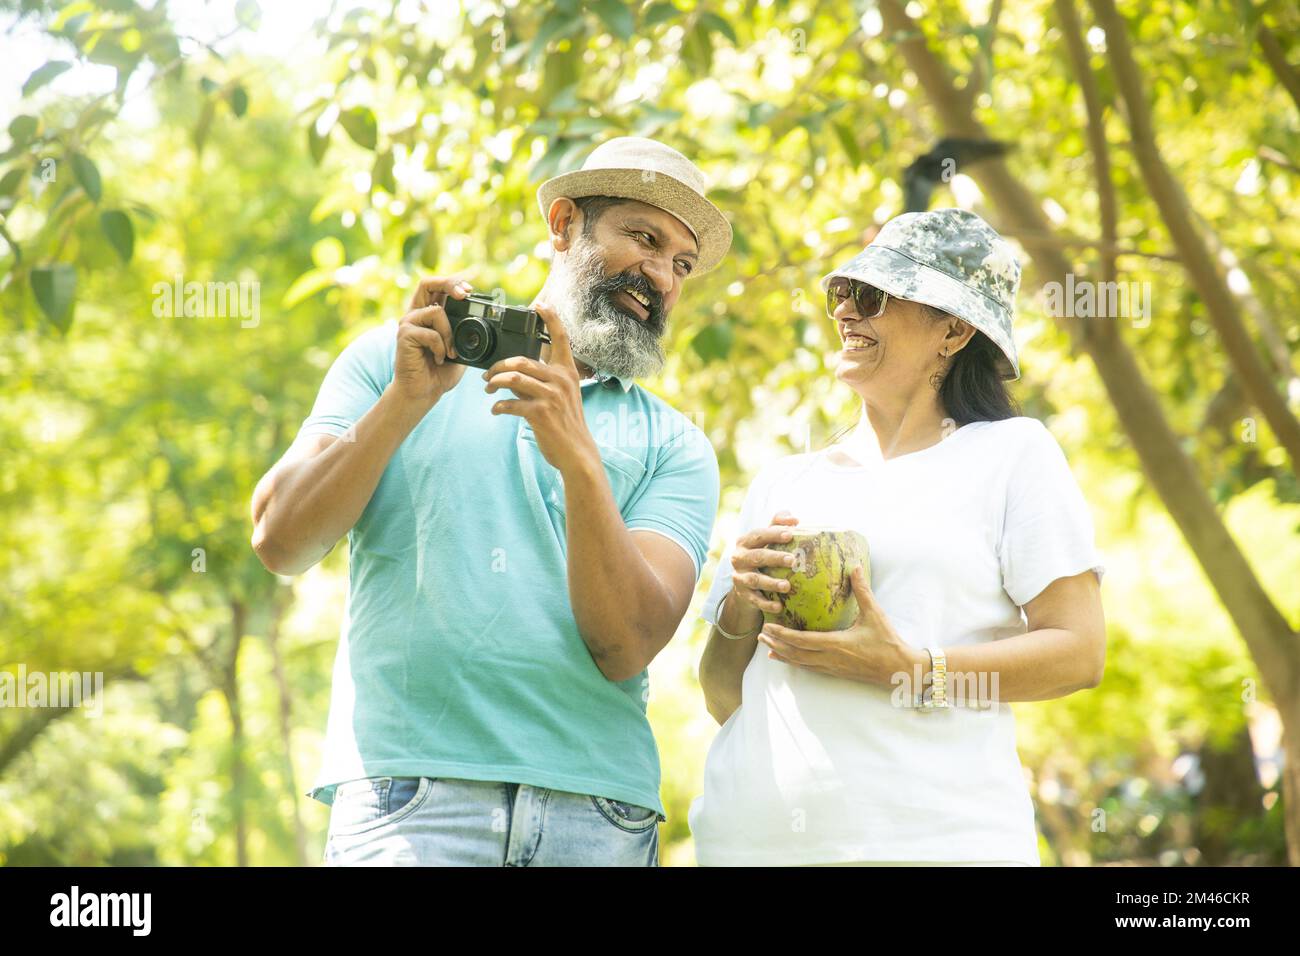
[(972, 390)]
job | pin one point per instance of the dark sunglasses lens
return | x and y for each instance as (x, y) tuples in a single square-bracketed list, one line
[(834, 297), (868, 299)]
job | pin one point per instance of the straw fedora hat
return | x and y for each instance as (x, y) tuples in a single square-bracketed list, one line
[(633, 167)]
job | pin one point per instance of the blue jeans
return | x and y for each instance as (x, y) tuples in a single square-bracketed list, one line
[(436, 821)]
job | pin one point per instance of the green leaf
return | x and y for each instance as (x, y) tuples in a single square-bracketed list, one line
[(22, 128), (718, 25), (552, 29), (697, 50), (54, 289), (421, 247), (359, 122), (12, 180), (328, 253), (117, 226), (204, 124), (238, 98), (713, 342), (307, 285), (43, 74), (851, 148), (660, 13), (248, 14), (317, 143), (617, 16), (88, 175), (382, 173)]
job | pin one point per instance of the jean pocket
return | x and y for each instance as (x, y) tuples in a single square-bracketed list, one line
[(626, 816), (363, 805)]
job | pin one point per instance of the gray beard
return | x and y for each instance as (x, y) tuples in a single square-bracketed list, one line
[(602, 337)]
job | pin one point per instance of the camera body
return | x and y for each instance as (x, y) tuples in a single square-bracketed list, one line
[(485, 331)]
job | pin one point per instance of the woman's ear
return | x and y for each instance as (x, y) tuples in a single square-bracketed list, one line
[(958, 334)]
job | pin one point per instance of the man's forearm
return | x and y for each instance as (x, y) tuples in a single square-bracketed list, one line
[(314, 502), (618, 601)]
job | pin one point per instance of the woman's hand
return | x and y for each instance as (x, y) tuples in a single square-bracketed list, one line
[(752, 558), (870, 651)]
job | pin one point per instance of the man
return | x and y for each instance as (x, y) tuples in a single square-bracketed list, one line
[(522, 543)]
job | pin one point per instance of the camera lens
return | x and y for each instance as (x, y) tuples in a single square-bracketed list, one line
[(473, 339)]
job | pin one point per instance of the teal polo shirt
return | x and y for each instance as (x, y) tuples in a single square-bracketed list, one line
[(459, 655)]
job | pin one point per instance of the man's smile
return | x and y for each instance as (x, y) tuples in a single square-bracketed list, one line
[(635, 302)]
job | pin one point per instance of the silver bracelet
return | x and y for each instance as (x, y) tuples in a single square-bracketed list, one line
[(732, 637)]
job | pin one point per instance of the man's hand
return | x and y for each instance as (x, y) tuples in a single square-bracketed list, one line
[(549, 398), (421, 372)]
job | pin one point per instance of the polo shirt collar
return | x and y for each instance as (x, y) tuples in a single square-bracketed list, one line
[(600, 377)]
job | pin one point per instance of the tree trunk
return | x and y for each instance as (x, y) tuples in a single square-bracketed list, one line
[(1276, 57), (230, 690), (1268, 637), (1231, 794), (1202, 268), (278, 607)]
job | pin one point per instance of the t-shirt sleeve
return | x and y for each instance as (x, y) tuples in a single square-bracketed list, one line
[(1047, 530), (354, 382), (681, 500), (750, 517)]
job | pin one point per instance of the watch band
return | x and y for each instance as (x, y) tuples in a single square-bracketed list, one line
[(938, 696), (723, 632)]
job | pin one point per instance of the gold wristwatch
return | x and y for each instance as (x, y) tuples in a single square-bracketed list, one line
[(937, 696)]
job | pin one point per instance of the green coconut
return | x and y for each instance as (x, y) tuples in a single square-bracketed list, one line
[(821, 590)]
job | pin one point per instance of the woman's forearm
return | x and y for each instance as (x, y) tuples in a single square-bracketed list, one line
[(722, 668), (1037, 665)]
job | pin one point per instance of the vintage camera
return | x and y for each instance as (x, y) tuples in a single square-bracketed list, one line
[(485, 331)]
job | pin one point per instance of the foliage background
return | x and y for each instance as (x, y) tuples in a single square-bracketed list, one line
[(331, 153)]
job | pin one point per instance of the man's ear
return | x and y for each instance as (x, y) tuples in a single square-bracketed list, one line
[(564, 219)]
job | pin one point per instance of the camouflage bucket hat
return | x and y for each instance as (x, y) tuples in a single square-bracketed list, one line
[(950, 259)]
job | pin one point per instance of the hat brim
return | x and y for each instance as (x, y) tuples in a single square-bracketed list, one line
[(705, 221), (905, 278)]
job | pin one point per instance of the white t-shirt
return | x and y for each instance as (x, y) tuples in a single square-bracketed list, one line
[(818, 769)]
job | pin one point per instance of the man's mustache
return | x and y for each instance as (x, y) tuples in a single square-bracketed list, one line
[(610, 285)]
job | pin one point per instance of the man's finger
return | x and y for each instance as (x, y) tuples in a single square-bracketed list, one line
[(433, 290), (560, 353), (513, 406), (519, 363), (433, 317), (523, 385), (431, 340)]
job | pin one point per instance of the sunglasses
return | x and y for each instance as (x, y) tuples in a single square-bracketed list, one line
[(868, 301)]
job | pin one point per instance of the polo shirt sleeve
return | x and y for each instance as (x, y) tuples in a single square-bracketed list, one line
[(681, 499), (354, 382), (1047, 530)]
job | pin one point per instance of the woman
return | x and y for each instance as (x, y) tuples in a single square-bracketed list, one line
[(836, 748)]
